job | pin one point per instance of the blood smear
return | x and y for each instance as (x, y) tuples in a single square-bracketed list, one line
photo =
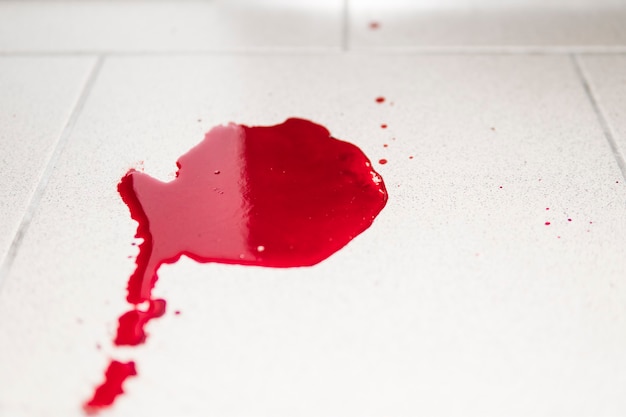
[(281, 196)]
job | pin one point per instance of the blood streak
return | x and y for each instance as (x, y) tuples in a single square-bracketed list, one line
[(105, 394), (280, 196)]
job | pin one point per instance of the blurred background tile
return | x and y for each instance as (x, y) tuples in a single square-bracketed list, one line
[(169, 26), (519, 25)]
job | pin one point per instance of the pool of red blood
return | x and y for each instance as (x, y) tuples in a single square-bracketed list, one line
[(282, 196)]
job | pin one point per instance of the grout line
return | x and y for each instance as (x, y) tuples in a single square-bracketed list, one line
[(331, 50), (600, 115), (487, 50), (47, 173), (345, 40), (344, 47)]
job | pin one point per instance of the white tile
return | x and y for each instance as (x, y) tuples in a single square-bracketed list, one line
[(74, 26), (606, 75), (488, 25), (457, 301), (36, 99)]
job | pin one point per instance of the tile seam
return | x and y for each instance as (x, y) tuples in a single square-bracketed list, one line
[(600, 114), (344, 47), (37, 195), (345, 24)]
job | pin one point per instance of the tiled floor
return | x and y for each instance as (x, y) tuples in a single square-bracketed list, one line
[(458, 301)]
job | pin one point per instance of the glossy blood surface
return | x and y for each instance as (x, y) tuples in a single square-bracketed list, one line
[(280, 196)]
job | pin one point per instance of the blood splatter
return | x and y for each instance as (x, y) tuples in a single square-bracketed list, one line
[(374, 25), (281, 196), (380, 99), (547, 223), (383, 126), (382, 161)]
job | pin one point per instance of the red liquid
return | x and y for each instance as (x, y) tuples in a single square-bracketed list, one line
[(106, 393), (380, 100), (282, 196)]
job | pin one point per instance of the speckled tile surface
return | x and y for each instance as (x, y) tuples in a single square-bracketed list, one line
[(459, 288)]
